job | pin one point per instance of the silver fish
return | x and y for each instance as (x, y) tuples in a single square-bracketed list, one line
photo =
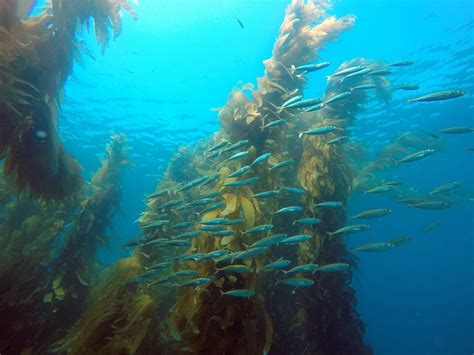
[(311, 268), (269, 241), (416, 156), (260, 228), (307, 221), (290, 209), (348, 70), (330, 204), (377, 213), (374, 248), (239, 293), (439, 96), (296, 239), (239, 172), (265, 194), (355, 228), (276, 265), (283, 164), (456, 130), (446, 188), (261, 159), (276, 123), (250, 253), (318, 131), (334, 267), (338, 97), (297, 282)]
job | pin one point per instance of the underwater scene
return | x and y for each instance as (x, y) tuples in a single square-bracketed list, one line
[(237, 177)]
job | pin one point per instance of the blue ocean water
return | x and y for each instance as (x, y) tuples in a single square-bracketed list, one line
[(159, 81)]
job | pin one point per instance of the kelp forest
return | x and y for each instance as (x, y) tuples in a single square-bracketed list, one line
[(229, 213)]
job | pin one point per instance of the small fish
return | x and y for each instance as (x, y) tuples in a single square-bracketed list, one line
[(188, 257), (276, 123), (355, 228), (269, 241), (260, 228), (283, 164), (161, 266), (318, 131), (193, 234), (150, 273), (185, 273), (337, 140), (410, 200), (338, 97), (374, 248), (314, 107), (399, 240), (233, 222), (348, 70), (239, 293), (210, 179), (431, 227), (445, 188), (182, 225), (456, 130), (157, 242), (291, 101), (402, 63), (293, 190), (183, 208), (213, 207), (240, 23), (311, 268), (334, 267), (193, 183), (330, 204), (290, 209), (197, 282), (236, 269), (235, 146), (296, 239), (250, 253), (215, 221), (357, 73), (310, 67), (158, 194), (223, 233), (297, 282), (377, 213), (407, 87), (212, 195), (155, 224), (178, 243), (380, 72), (439, 96), (393, 183), (212, 228), (163, 280), (416, 156), (276, 265), (432, 205), (363, 87), (236, 156), (265, 194), (218, 146), (172, 203), (261, 159), (304, 103), (240, 183), (381, 189), (214, 254), (201, 202), (307, 221), (134, 242), (239, 172)]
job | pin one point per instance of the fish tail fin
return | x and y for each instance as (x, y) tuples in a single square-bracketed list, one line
[(397, 162), (331, 233), (411, 100), (300, 135), (292, 69)]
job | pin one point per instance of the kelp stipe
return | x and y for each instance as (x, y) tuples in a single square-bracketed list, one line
[(37, 56)]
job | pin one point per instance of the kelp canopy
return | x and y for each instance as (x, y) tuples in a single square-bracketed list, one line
[(37, 56)]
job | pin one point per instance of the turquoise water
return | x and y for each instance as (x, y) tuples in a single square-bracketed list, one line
[(159, 81)]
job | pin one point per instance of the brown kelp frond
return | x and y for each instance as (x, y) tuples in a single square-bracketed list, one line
[(95, 216), (305, 29), (117, 157), (118, 321), (37, 57), (106, 15)]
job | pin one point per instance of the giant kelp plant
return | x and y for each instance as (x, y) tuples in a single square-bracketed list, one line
[(37, 56), (49, 257), (211, 217)]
